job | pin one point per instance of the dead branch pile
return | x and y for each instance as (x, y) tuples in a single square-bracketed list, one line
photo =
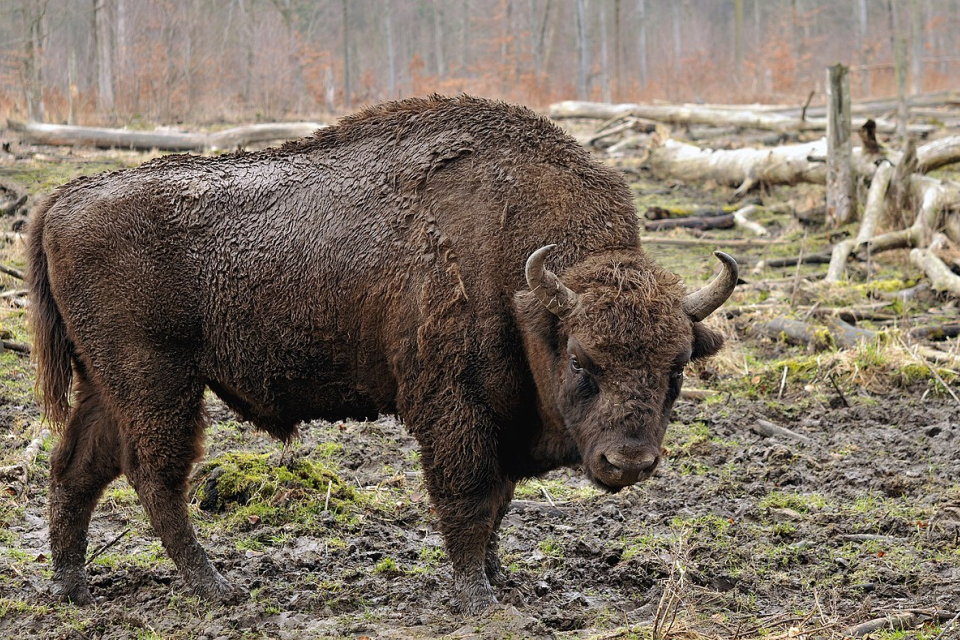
[(904, 207)]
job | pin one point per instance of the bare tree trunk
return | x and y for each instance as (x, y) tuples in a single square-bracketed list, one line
[(465, 36), (583, 54), (105, 16), (899, 46), (540, 41), (840, 186), (32, 12), (391, 53), (347, 87), (642, 42), (604, 56), (862, 41), (916, 41), (617, 50), (677, 40), (738, 36), (438, 40)]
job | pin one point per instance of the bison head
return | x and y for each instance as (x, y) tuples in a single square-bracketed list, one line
[(607, 348)]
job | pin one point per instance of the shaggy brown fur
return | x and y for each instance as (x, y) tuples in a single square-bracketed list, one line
[(377, 267)]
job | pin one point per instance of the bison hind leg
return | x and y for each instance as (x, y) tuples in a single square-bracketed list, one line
[(165, 432), (83, 463)]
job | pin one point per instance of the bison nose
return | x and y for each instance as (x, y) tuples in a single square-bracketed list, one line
[(618, 470)]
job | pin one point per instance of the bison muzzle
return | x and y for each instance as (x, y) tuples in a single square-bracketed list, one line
[(461, 263)]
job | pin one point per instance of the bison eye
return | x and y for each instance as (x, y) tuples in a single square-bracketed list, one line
[(575, 365)]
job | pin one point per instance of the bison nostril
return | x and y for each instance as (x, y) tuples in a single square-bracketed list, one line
[(623, 465), (648, 461)]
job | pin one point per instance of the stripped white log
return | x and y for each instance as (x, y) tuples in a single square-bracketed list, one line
[(68, 135), (876, 202), (742, 219), (934, 196), (687, 114), (940, 275)]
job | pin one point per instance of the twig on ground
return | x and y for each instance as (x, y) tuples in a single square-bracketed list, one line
[(102, 548), (833, 381), (947, 627), (546, 494), (10, 271), (768, 429), (932, 370)]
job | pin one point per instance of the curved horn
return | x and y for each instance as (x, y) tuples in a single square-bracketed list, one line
[(545, 284), (700, 304)]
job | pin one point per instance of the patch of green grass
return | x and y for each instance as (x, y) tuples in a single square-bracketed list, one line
[(10, 606), (799, 502), (551, 547), (41, 177), (556, 488), (252, 489), (387, 565)]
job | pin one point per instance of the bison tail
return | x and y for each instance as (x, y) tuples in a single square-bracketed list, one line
[(52, 347)]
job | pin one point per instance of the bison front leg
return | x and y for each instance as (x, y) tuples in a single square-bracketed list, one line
[(469, 493), (492, 559)]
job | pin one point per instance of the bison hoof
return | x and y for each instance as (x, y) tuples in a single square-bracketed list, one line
[(73, 592), (218, 589), (475, 596)]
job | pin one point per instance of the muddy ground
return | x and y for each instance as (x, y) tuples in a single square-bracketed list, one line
[(852, 515)]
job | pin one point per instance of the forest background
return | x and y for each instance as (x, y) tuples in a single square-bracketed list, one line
[(211, 61)]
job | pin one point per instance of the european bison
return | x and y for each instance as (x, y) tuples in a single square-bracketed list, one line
[(394, 263)]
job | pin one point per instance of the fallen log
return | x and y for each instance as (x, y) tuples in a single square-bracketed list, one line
[(69, 135), (790, 331), (744, 168), (846, 335), (940, 275), (725, 221), (935, 332), (710, 242), (741, 217), (777, 263), (662, 213), (786, 164), (897, 623), (935, 196), (688, 114)]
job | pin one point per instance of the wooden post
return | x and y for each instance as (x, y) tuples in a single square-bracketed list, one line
[(840, 194)]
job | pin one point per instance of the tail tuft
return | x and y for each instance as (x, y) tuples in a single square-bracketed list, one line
[(52, 347)]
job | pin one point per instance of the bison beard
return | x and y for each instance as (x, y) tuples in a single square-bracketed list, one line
[(395, 263)]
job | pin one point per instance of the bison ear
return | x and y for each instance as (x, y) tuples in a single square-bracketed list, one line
[(706, 342)]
